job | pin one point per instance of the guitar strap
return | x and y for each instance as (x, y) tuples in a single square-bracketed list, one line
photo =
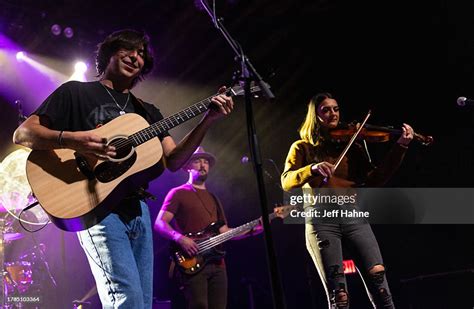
[(220, 209), (142, 110)]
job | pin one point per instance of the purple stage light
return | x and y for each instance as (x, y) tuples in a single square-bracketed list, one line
[(20, 56), (56, 29), (68, 32)]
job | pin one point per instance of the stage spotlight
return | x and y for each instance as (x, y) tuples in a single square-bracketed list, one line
[(20, 56), (68, 32), (56, 29), (80, 67)]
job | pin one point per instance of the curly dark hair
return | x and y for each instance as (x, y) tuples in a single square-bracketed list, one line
[(127, 39)]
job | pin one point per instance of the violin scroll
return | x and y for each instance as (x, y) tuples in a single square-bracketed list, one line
[(424, 140)]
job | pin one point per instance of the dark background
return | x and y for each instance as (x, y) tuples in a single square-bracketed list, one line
[(408, 61)]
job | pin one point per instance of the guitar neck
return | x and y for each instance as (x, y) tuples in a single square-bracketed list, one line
[(170, 122), (219, 239)]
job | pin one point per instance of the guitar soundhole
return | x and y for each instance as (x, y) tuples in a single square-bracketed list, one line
[(108, 170), (123, 147)]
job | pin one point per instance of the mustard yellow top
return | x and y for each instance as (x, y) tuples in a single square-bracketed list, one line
[(354, 168)]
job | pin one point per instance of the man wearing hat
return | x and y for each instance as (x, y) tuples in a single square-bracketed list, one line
[(194, 208)]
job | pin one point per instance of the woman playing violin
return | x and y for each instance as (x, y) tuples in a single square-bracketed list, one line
[(309, 161)]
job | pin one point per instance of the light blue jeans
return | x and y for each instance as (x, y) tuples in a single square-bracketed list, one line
[(121, 259)]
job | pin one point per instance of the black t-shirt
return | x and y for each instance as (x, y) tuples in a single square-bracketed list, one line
[(82, 106)]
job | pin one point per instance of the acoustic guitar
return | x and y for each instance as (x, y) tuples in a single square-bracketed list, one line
[(77, 191)]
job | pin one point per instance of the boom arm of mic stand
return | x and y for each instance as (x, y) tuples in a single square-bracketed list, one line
[(247, 66)]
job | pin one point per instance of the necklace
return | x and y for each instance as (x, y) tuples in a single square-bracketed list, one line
[(122, 109)]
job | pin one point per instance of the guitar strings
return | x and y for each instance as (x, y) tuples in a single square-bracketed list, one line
[(168, 122), (207, 244), (213, 242), (160, 125)]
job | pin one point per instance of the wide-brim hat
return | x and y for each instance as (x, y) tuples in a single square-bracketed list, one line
[(201, 153)]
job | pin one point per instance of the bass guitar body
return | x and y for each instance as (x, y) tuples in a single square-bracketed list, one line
[(191, 265)]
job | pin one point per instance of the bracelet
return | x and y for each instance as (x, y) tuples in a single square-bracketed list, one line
[(403, 146), (60, 139)]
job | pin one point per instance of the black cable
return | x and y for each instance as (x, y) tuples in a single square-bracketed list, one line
[(21, 222)]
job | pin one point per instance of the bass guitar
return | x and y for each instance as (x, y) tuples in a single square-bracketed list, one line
[(77, 191), (209, 241)]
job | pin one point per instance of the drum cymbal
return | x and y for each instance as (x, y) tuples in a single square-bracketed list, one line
[(15, 191), (14, 186)]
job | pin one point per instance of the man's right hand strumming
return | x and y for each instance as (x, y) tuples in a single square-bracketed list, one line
[(88, 143), (35, 133), (188, 245)]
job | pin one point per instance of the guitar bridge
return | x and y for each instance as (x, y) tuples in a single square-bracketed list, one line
[(84, 166)]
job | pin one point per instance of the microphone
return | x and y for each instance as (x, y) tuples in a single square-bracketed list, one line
[(463, 101), (245, 160)]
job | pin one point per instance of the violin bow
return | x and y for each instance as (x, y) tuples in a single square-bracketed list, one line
[(353, 138)]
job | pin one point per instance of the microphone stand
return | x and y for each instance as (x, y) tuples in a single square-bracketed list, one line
[(248, 74), (46, 267), (276, 182)]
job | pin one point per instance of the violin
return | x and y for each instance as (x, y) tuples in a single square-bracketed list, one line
[(373, 134), (369, 133)]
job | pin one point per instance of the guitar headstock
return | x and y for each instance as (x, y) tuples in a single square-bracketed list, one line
[(239, 89)]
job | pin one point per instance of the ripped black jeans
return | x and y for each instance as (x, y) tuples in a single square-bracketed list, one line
[(324, 243)]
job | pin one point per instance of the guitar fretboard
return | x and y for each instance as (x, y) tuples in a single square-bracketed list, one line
[(172, 121), (218, 239), (169, 123)]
